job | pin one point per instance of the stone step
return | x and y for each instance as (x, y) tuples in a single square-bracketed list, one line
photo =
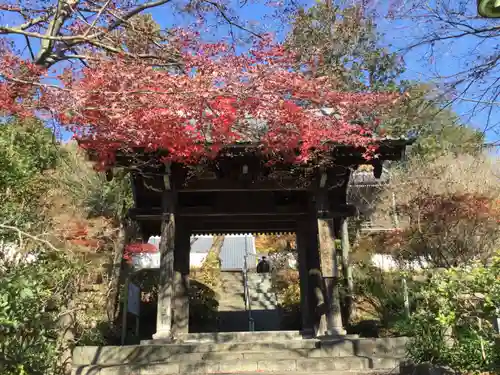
[(231, 297), (105, 371), (233, 304), (233, 289), (240, 337), (231, 276), (307, 365), (229, 351)]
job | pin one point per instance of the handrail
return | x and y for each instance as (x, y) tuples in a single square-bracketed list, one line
[(248, 305)]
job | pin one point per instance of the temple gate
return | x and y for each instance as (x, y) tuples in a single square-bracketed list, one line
[(239, 192)]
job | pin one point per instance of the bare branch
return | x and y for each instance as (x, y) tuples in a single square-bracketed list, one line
[(130, 14), (479, 101), (98, 16), (229, 21), (61, 35), (22, 233), (28, 43)]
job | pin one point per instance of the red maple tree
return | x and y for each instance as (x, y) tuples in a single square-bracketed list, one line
[(214, 98)]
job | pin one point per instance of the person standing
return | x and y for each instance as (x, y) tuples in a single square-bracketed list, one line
[(263, 266)]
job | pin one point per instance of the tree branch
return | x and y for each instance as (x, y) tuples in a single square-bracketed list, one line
[(106, 4), (34, 238), (28, 43), (229, 21), (130, 14)]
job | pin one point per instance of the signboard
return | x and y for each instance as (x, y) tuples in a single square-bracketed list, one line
[(133, 299)]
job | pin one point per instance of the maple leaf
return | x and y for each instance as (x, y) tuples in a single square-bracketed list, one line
[(120, 104)]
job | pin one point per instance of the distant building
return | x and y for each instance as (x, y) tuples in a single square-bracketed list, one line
[(232, 253)]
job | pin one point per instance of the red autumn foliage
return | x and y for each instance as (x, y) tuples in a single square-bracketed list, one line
[(138, 248), (444, 230), (78, 234), (438, 208), (216, 98)]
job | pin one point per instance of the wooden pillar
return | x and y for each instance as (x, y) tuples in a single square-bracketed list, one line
[(167, 248), (331, 320), (180, 305), (317, 302), (305, 286)]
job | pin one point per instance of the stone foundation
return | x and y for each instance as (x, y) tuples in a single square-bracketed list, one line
[(228, 355)]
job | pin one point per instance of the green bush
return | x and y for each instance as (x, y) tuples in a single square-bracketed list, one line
[(203, 307), (31, 296), (453, 322), (286, 285), (27, 152), (379, 296), (203, 304)]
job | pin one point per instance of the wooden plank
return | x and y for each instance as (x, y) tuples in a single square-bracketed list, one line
[(244, 227), (155, 213), (195, 185)]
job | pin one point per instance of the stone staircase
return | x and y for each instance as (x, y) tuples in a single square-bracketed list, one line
[(245, 352), (231, 312), (262, 296), (263, 302), (233, 317)]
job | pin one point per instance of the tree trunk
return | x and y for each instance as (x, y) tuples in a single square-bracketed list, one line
[(217, 245), (215, 249), (209, 271)]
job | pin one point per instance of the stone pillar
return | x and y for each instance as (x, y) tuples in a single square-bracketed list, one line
[(167, 248), (347, 270), (330, 272), (165, 285), (180, 305), (315, 293)]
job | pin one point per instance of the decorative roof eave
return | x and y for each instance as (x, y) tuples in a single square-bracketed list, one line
[(389, 149), (255, 233)]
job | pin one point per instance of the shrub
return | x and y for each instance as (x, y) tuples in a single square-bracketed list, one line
[(380, 296), (32, 295), (448, 211), (203, 306), (286, 285), (452, 325)]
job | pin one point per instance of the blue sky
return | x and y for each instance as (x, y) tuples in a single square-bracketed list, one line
[(448, 58)]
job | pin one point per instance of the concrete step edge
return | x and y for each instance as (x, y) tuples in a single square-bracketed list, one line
[(331, 372), (359, 362), (217, 357), (233, 367)]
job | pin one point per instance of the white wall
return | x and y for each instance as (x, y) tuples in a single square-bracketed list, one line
[(12, 254), (387, 262), (196, 259)]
